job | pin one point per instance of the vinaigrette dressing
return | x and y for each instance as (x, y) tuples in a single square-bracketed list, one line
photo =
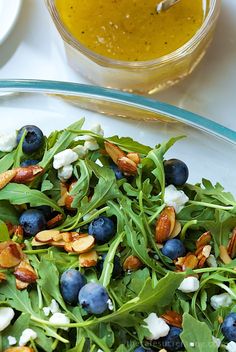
[(131, 30)]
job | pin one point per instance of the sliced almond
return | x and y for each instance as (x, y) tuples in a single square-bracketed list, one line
[(87, 260), (64, 192), (68, 247), (19, 349), (172, 318), (231, 249), (83, 244), (11, 256), (54, 221), (113, 151), (128, 166), (20, 285), (25, 273), (134, 157), (6, 177), (2, 277), (27, 174), (46, 235), (59, 244), (165, 224), (68, 202), (35, 243), (67, 236), (190, 262), (224, 256), (19, 232), (132, 263), (57, 237), (204, 239), (176, 230)]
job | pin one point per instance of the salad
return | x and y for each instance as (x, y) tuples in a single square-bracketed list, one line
[(105, 246)]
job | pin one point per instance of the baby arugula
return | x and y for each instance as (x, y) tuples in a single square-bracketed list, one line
[(134, 203)]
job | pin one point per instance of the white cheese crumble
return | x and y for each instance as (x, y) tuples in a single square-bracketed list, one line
[(211, 261), (8, 141), (64, 158), (175, 198), (6, 316), (231, 346), (222, 300), (156, 326), (65, 173), (11, 340), (110, 304), (26, 336), (53, 308), (91, 145), (189, 284), (216, 341), (59, 318)]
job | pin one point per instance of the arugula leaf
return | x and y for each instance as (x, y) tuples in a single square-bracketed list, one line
[(129, 145), (8, 212), (22, 194), (81, 187), (199, 334), (7, 161), (16, 329), (63, 142), (19, 153), (4, 234)]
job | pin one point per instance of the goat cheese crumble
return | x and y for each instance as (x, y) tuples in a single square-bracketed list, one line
[(189, 284), (175, 198), (222, 300), (6, 316), (26, 336), (156, 326)]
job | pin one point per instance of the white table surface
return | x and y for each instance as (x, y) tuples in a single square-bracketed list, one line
[(35, 50)]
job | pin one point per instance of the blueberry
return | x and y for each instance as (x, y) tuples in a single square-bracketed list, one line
[(173, 249), (102, 228), (118, 173), (117, 268), (176, 172), (32, 221), (71, 282), (29, 162), (229, 327), (141, 349), (93, 298), (172, 341), (33, 138)]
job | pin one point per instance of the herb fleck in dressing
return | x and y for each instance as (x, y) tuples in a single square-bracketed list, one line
[(131, 30)]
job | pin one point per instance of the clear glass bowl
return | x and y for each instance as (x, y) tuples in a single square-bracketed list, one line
[(209, 149), (142, 76)]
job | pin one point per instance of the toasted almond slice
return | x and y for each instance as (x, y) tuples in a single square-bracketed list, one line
[(165, 224), (176, 230), (54, 221), (77, 235), (67, 236), (27, 174), (25, 272), (2, 277), (224, 256), (57, 237), (134, 157), (19, 349), (11, 256), (83, 244), (113, 151), (68, 247), (172, 318), (46, 235), (190, 262), (232, 245), (132, 263), (6, 177), (35, 243), (59, 244), (126, 165), (204, 239), (64, 192), (89, 259)]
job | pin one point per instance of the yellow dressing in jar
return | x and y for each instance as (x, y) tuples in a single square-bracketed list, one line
[(131, 30)]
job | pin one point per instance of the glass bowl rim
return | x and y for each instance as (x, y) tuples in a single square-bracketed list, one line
[(76, 89), (175, 55)]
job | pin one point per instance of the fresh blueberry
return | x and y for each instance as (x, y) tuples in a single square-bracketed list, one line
[(93, 298), (118, 173), (229, 327), (102, 228), (29, 162), (32, 221), (176, 172), (33, 138), (141, 349), (173, 249), (172, 341), (117, 268), (46, 210), (71, 283)]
